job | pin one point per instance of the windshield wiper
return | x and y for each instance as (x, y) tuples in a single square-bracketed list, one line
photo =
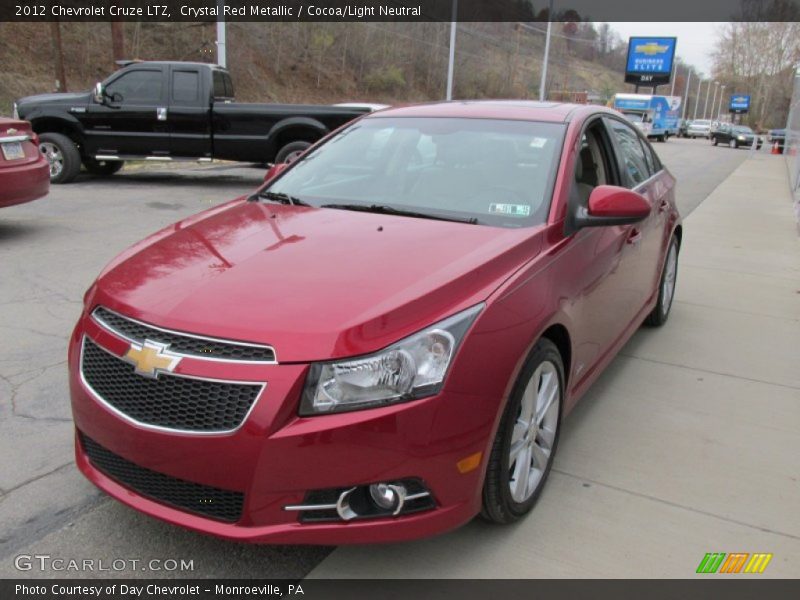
[(391, 210), (279, 197)]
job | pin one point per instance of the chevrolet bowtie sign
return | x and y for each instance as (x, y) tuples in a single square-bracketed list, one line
[(151, 358), (650, 60)]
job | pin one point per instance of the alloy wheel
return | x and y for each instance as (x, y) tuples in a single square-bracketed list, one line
[(668, 285), (534, 432), (54, 157)]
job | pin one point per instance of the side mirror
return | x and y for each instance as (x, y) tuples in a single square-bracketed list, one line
[(612, 205), (274, 171), (99, 93)]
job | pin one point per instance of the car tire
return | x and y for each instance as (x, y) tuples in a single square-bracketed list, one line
[(666, 287), (63, 156), (103, 168), (530, 426), (714, 141), (733, 144), (291, 151)]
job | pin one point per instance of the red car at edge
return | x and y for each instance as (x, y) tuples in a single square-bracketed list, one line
[(24, 171), (380, 343)]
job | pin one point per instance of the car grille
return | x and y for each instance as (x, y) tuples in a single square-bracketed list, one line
[(170, 401), (182, 343), (223, 505)]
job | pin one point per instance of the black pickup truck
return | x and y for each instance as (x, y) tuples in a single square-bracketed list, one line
[(169, 111)]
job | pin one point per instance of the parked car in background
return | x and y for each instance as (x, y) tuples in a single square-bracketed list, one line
[(683, 127), (777, 136), (699, 128), (24, 171), (735, 136), (171, 111), (402, 317)]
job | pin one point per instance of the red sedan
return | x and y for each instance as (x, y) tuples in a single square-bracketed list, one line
[(24, 171), (382, 342)]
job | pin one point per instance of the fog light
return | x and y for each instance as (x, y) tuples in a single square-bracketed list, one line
[(388, 496)]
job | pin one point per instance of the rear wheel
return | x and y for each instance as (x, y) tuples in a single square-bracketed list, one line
[(291, 151), (62, 155), (526, 441), (102, 167), (666, 288)]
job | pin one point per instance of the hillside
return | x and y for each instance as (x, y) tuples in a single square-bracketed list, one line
[(323, 62)]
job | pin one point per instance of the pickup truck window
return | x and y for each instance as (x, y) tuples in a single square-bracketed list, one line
[(137, 86), (185, 86), (223, 86)]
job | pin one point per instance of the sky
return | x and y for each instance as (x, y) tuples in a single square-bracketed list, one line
[(695, 40)]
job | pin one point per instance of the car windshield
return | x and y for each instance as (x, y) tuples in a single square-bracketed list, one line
[(702, 123), (742, 130), (488, 171)]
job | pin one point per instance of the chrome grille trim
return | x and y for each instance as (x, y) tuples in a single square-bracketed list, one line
[(99, 398), (97, 318)]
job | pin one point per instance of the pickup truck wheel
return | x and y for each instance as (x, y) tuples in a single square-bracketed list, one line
[(102, 167), (63, 156), (291, 151)]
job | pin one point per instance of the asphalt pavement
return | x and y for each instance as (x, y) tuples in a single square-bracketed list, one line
[(54, 247)]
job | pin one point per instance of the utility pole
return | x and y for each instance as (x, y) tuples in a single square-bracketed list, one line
[(708, 93), (543, 83), (713, 100), (697, 100), (686, 93), (58, 57), (674, 77), (118, 40), (222, 59), (452, 58), (719, 106)]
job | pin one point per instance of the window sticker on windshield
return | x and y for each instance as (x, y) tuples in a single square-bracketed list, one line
[(538, 142), (511, 210)]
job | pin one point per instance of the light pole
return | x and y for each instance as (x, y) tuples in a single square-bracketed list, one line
[(708, 93), (697, 100), (452, 57), (686, 94), (719, 106), (714, 100), (221, 55), (543, 83)]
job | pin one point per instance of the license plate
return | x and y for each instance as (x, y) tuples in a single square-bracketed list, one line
[(13, 151)]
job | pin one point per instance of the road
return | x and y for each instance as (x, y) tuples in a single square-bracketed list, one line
[(52, 249)]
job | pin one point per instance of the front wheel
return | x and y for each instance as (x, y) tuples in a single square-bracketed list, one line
[(666, 288), (714, 141), (103, 168), (62, 155), (733, 144), (523, 450)]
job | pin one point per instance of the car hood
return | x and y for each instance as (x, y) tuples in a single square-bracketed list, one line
[(313, 283), (50, 99)]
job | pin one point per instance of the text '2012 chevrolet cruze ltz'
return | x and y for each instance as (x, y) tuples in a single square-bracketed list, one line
[(381, 342)]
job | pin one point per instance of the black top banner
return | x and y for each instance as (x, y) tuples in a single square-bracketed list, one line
[(398, 10)]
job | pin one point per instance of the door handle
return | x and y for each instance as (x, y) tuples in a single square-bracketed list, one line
[(634, 237), (664, 206), (161, 113)]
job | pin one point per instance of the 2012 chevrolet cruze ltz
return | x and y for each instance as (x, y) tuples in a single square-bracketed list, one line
[(381, 342)]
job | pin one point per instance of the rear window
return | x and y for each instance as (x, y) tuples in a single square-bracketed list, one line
[(223, 85)]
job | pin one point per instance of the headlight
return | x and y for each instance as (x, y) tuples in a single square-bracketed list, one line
[(412, 368), (741, 138)]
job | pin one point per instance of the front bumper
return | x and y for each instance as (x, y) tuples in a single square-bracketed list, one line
[(275, 458)]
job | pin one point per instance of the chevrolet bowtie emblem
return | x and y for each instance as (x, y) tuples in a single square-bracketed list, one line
[(151, 358), (11, 131)]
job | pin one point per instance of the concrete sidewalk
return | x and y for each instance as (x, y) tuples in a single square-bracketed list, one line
[(689, 443)]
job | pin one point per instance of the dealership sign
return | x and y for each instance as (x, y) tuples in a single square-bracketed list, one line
[(740, 103), (650, 60)]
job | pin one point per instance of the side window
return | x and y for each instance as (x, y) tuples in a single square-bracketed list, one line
[(228, 85), (648, 157), (591, 166), (185, 86), (631, 153), (223, 86), (138, 86)]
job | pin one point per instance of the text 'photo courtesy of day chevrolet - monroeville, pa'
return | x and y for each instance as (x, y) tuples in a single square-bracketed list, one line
[(327, 299)]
